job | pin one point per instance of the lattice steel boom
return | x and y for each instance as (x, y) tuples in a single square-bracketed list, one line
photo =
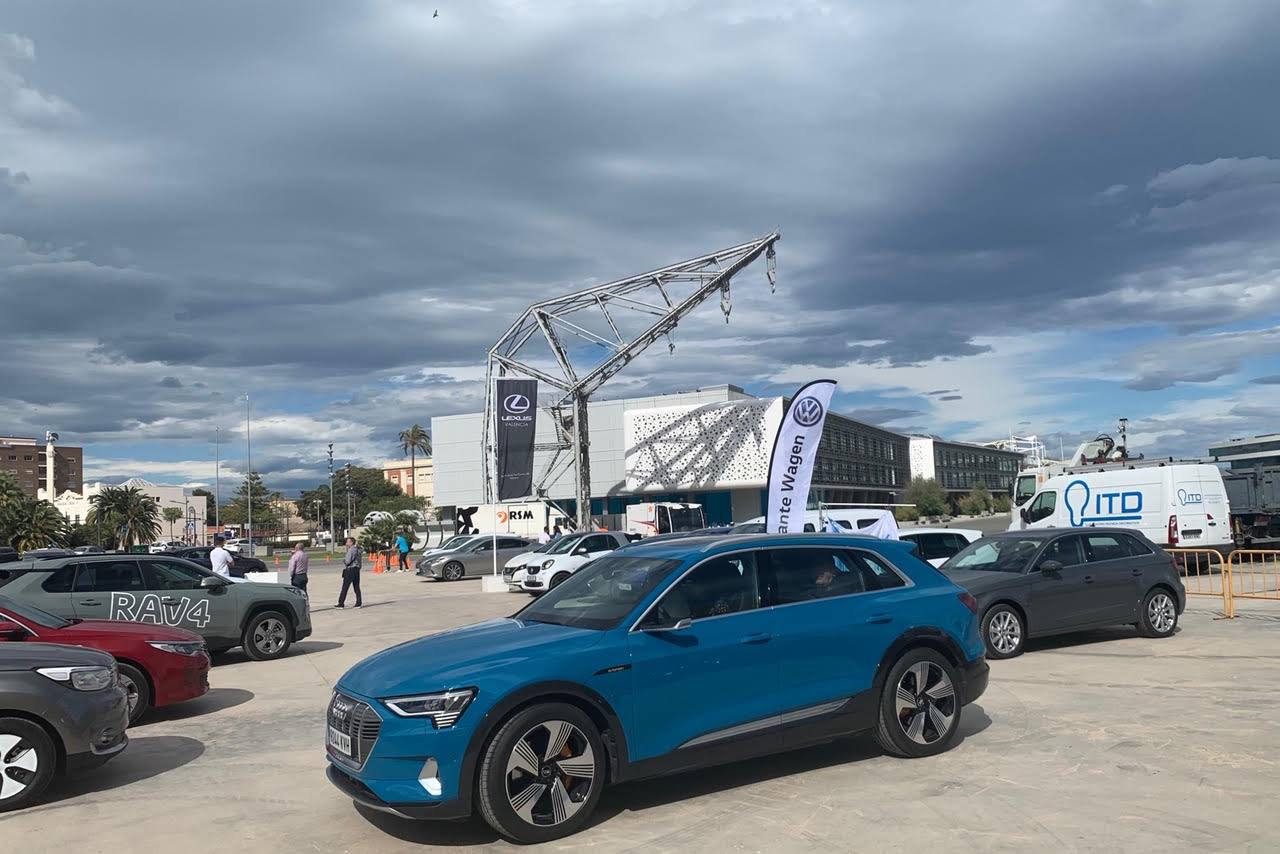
[(666, 295)]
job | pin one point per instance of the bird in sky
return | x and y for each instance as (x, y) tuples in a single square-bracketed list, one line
[(437, 14)]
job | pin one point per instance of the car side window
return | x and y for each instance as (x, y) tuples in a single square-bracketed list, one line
[(1100, 547), (170, 575), (1065, 550), (600, 543), (1136, 547), (806, 574), (1043, 506), (483, 546), (721, 586), (60, 580), (510, 544), (109, 576), (876, 572), (932, 547), (953, 544)]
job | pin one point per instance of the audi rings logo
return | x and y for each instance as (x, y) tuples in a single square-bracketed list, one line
[(516, 404), (807, 411)]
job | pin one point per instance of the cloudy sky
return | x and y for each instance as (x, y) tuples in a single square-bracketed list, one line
[(995, 216)]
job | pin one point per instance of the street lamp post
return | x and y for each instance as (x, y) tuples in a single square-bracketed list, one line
[(248, 477), (332, 533), (347, 477), (217, 479)]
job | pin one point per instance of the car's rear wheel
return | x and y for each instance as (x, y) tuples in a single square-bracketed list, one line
[(557, 580), (919, 705), (452, 571), (27, 761), (1159, 615), (542, 774), (138, 689), (1003, 632), (267, 636)]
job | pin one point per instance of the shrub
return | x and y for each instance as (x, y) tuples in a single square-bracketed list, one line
[(906, 514), (928, 496), (1002, 504)]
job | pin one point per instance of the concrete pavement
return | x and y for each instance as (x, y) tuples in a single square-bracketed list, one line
[(1098, 742)]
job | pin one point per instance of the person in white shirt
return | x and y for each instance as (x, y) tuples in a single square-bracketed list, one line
[(544, 537), (220, 559)]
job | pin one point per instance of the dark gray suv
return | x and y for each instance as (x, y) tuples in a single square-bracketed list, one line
[(1057, 580), (62, 708)]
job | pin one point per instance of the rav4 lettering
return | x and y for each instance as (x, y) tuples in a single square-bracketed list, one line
[(151, 608)]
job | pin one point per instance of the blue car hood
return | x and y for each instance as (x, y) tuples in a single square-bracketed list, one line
[(462, 657)]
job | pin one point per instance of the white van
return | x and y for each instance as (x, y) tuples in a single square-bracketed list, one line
[(1173, 505), (867, 520)]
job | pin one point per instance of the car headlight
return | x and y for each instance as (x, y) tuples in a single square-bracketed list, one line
[(296, 591), (178, 647), (436, 561), (547, 564), (91, 678), (443, 708)]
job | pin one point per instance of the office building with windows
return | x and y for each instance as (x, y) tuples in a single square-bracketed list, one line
[(1248, 452), (24, 459), (959, 466)]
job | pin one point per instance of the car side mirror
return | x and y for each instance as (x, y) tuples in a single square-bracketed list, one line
[(1050, 567), (1025, 514), (211, 581), (580, 550), (11, 631), (678, 626)]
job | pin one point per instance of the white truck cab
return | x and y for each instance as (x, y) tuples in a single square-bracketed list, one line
[(664, 517), (1173, 505)]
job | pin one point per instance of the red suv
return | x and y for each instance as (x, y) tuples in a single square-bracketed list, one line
[(159, 665)]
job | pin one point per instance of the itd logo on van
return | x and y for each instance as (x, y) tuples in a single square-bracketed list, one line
[(1185, 497), (1085, 506)]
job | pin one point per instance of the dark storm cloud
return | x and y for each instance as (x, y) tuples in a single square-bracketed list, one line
[(951, 397), (880, 415), (1270, 379), (267, 204)]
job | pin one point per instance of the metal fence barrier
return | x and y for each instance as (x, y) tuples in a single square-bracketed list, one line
[(1255, 573), (1205, 572)]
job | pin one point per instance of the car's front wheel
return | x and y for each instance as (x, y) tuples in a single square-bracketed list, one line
[(1003, 632), (267, 636), (1159, 616), (27, 761), (138, 690), (452, 571), (542, 774), (919, 705), (557, 580)]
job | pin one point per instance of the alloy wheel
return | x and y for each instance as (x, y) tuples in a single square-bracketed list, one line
[(452, 572), (131, 692), (269, 636), (1005, 632), (550, 773), (1161, 613), (19, 763), (925, 702)]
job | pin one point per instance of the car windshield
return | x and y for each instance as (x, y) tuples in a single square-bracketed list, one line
[(454, 542), (686, 518), (1001, 554), (600, 594), (26, 613), (564, 545)]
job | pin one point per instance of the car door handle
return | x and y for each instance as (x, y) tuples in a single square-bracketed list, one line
[(880, 618), (89, 602), (1136, 573), (1088, 579), (758, 637)]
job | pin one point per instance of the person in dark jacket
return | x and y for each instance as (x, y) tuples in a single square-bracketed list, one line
[(350, 574)]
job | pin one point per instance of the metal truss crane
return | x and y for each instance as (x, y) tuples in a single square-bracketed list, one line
[(575, 343)]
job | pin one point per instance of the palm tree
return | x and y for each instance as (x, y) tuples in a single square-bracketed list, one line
[(411, 441), (171, 515), (37, 525), (124, 510)]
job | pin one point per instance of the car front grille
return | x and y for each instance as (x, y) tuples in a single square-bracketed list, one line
[(358, 720), (532, 570)]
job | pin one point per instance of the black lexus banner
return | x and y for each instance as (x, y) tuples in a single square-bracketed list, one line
[(517, 409)]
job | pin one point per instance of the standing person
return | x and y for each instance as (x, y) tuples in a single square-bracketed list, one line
[(556, 534), (544, 537), (402, 546), (299, 563), (220, 560), (350, 573)]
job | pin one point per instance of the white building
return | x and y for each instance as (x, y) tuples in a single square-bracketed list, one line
[(711, 446), (192, 527)]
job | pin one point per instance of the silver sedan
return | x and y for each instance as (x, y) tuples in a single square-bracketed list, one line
[(473, 559)]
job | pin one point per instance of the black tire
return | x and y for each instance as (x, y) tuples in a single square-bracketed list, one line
[(139, 689), (557, 580), (1158, 616), (262, 639), (452, 571), (1004, 632), (497, 778), (927, 722), (23, 744)]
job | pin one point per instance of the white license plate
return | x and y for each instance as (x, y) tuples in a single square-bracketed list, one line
[(340, 741)]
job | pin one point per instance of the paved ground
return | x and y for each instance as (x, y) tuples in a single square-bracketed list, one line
[(1103, 742)]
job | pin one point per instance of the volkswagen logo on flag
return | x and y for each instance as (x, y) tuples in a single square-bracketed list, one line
[(516, 404), (807, 411)]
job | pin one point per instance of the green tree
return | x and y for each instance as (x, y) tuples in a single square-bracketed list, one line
[(171, 515), (378, 536), (12, 499), (1002, 503), (411, 441), (37, 525), (906, 514), (126, 515), (927, 495), (982, 496), (265, 513)]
